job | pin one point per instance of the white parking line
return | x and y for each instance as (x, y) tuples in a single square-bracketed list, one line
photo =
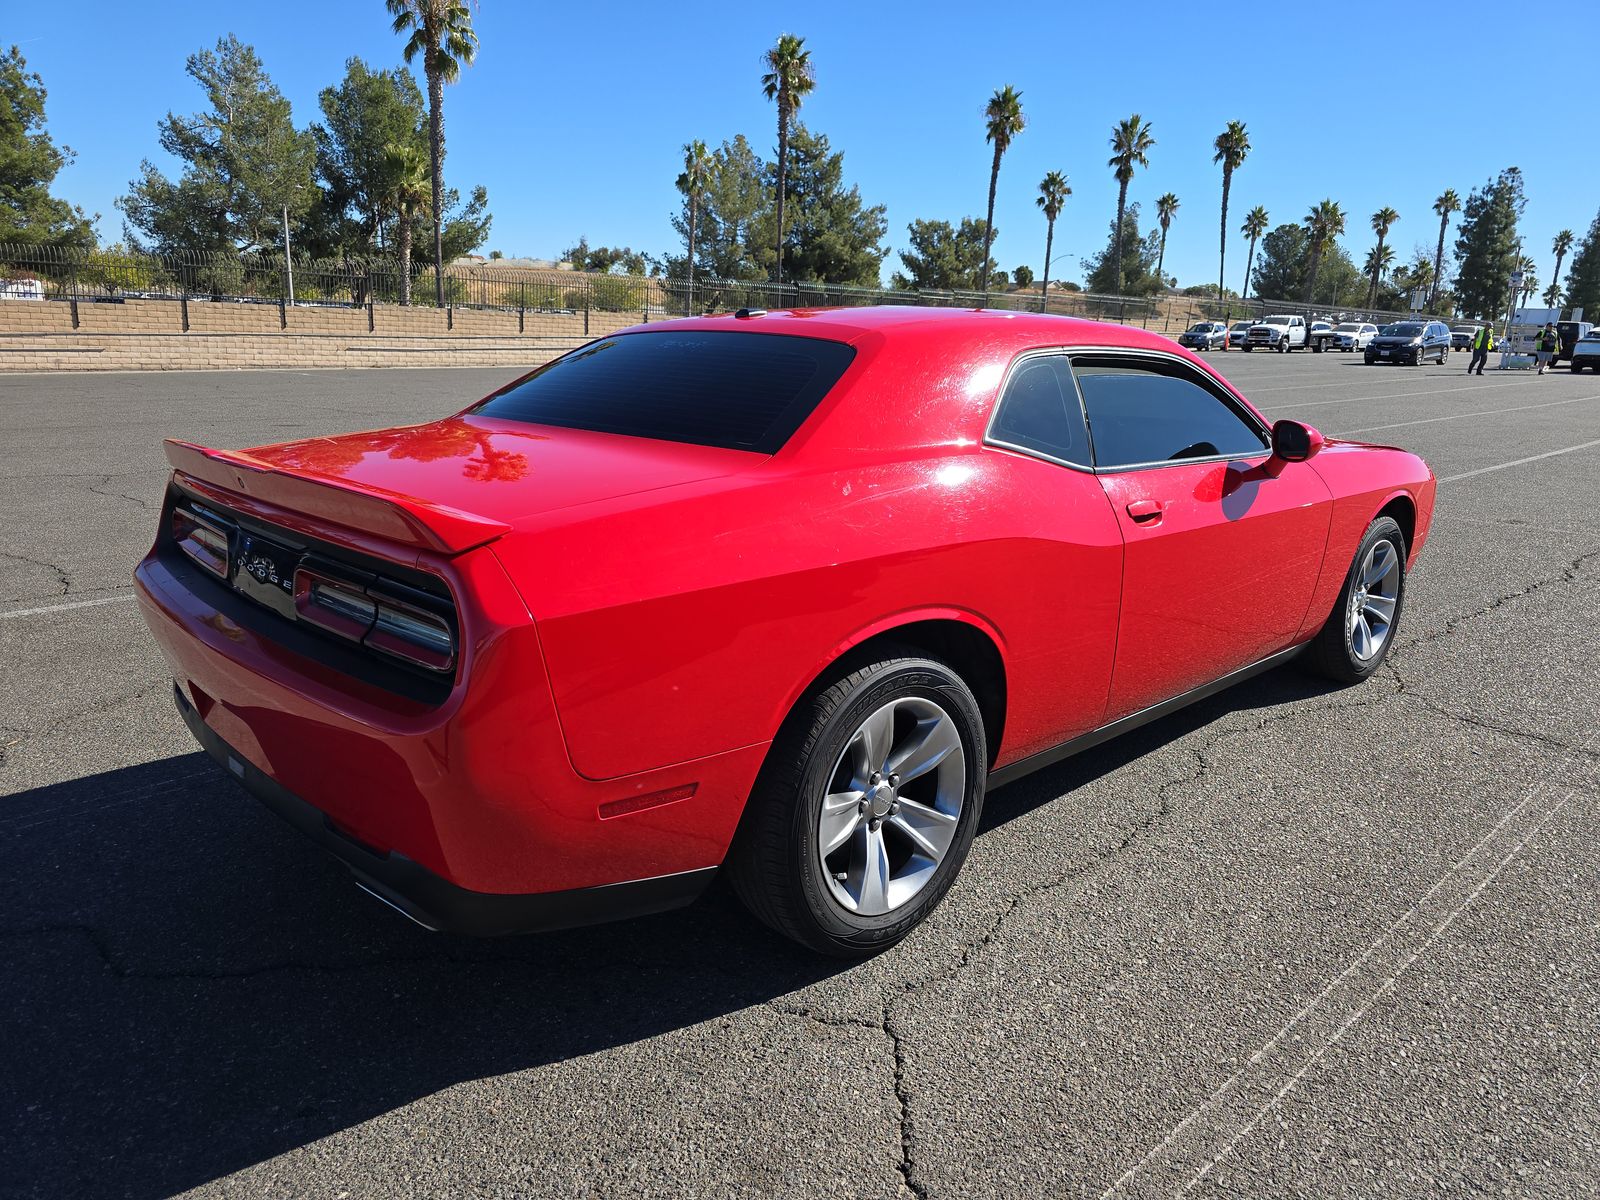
[(1481, 412), (1372, 975), (70, 604), (1482, 387), (1517, 462)]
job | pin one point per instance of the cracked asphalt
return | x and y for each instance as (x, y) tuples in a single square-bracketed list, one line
[(1294, 941)]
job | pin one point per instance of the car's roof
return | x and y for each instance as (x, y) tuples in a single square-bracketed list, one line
[(949, 327)]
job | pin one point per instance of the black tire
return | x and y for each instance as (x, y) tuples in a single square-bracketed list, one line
[(774, 865), (1317, 349), (1247, 349), (1330, 653)]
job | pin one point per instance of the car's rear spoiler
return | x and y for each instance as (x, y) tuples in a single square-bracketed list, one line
[(402, 519)]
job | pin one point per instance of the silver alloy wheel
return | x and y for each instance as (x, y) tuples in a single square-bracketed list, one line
[(1373, 601), (894, 801)]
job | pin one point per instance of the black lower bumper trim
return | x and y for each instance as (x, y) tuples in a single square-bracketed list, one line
[(432, 901)]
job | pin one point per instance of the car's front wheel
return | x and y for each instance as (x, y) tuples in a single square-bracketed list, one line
[(865, 809), (1356, 638)]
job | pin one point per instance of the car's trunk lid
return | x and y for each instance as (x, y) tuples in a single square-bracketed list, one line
[(455, 483)]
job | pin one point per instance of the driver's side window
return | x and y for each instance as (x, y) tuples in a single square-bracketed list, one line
[(1149, 412)]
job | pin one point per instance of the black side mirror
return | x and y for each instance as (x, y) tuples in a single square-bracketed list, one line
[(1294, 442)]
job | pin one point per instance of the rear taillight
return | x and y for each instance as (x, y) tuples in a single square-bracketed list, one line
[(386, 616), (203, 538)]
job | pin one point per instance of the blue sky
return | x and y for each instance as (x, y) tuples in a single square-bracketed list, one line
[(574, 115)]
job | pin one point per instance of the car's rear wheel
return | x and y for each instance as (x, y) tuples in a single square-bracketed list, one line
[(1355, 640), (865, 809)]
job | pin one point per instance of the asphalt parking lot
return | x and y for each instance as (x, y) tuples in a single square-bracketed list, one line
[(1292, 942)]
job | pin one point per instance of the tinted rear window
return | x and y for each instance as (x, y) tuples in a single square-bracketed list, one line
[(739, 391)]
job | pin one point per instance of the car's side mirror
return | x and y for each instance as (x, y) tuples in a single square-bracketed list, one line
[(1292, 442)]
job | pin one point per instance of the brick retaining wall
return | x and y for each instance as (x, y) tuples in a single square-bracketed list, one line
[(137, 335)]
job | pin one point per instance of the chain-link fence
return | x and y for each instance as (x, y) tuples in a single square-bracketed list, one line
[(116, 275)]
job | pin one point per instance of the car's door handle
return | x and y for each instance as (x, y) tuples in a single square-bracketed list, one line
[(1146, 512)]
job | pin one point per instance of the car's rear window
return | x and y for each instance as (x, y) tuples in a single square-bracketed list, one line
[(739, 391)]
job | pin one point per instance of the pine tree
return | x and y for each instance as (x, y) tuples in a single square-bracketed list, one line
[(1583, 277), (1486, 245), (29, 161)]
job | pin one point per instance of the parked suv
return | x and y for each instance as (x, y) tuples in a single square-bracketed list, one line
[(1238, 333), (1322, 337), (1571, 333), (1280, 333), (1204, 335), (1410, 341), (1355, 335), (1461, 336)]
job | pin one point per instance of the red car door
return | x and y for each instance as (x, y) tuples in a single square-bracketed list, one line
[(1220, 558)]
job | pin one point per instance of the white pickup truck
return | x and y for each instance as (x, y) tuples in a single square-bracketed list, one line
[(1280, 333)]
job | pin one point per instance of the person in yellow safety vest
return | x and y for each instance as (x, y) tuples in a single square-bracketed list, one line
[(1482, 343), (1545, 344)]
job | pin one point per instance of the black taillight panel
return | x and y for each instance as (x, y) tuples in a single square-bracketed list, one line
[(363, 610)]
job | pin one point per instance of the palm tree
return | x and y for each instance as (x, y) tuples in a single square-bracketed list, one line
[(441, 31), (1255, 224), (1418, 277), (1053, 193), (1560, 246), (1130, 145), (406, 188), (1231, 146), (1530, 280), (1382, 221), (1554, 297), (1003, 120), (788, 80), (1166, 209), (692, 183), (1447, 203), (1379, 259), (1325, 222)]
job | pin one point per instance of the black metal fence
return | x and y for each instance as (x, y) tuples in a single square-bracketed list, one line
[(114, 275)]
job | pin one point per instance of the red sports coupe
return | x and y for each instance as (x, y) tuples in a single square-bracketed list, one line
[(777, 592)]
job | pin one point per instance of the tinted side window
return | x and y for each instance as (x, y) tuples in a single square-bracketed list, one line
[(1151, 412), (1039, 411), (741, 391)]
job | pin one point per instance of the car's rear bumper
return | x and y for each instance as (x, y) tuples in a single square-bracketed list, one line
[(477, 792), (431, 900)]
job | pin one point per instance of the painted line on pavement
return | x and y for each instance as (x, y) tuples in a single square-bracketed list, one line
[(1517, 462), (1481, 412), (71, 604), (1393, 396), (1372, 975)]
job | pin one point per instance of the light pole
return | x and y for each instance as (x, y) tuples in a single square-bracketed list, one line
[(1044, 292)]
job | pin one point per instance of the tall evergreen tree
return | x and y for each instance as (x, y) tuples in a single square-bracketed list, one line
[(368, 120), (1137, 268), (1583, 277), (788, 81), (1486, 245), (1002, 120), (941, 257), (1231, 146), (243, 163), (29, 162)]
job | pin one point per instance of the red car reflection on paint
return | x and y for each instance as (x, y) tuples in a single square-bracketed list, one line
[(781, 593)]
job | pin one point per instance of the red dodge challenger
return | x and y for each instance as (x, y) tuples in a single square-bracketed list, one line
[(781, 593)]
